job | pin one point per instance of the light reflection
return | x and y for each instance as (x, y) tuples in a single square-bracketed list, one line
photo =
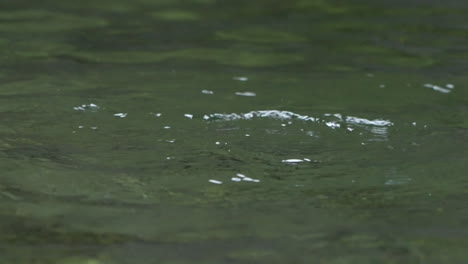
[(293, 161), (190, 116), (242, 177), (447, 89), (398, 181), (246, 94), (274, 114), (380, 133), (333, 124), (84, 107), (240, 78), (215, 181), (91, 127), (207, 92), (363, 121), (121, 115), (250, 179)]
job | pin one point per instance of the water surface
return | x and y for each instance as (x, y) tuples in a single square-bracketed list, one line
[(211, 131)]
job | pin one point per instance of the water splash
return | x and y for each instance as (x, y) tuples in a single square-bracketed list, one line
[(274, 114), (377, 127), (286, 115)]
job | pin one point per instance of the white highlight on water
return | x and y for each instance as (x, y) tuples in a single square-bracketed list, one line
[(121, 115), (240, 78), (215, 181), (363, 121), (207, 92), (296, 160), (250, 179), (85, 107), (447, 89), (251, 94)]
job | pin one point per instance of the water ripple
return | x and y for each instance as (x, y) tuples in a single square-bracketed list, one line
[(286, 115), (377, 127)]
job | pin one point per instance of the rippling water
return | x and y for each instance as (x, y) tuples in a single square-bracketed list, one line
[(209, 131)]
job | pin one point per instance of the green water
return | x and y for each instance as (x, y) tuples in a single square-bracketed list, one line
[(125, 126)]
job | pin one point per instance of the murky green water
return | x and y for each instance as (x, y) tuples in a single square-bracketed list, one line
[(204, 131)]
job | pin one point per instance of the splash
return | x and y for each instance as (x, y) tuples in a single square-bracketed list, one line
[(287, 115), (377, 127)]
